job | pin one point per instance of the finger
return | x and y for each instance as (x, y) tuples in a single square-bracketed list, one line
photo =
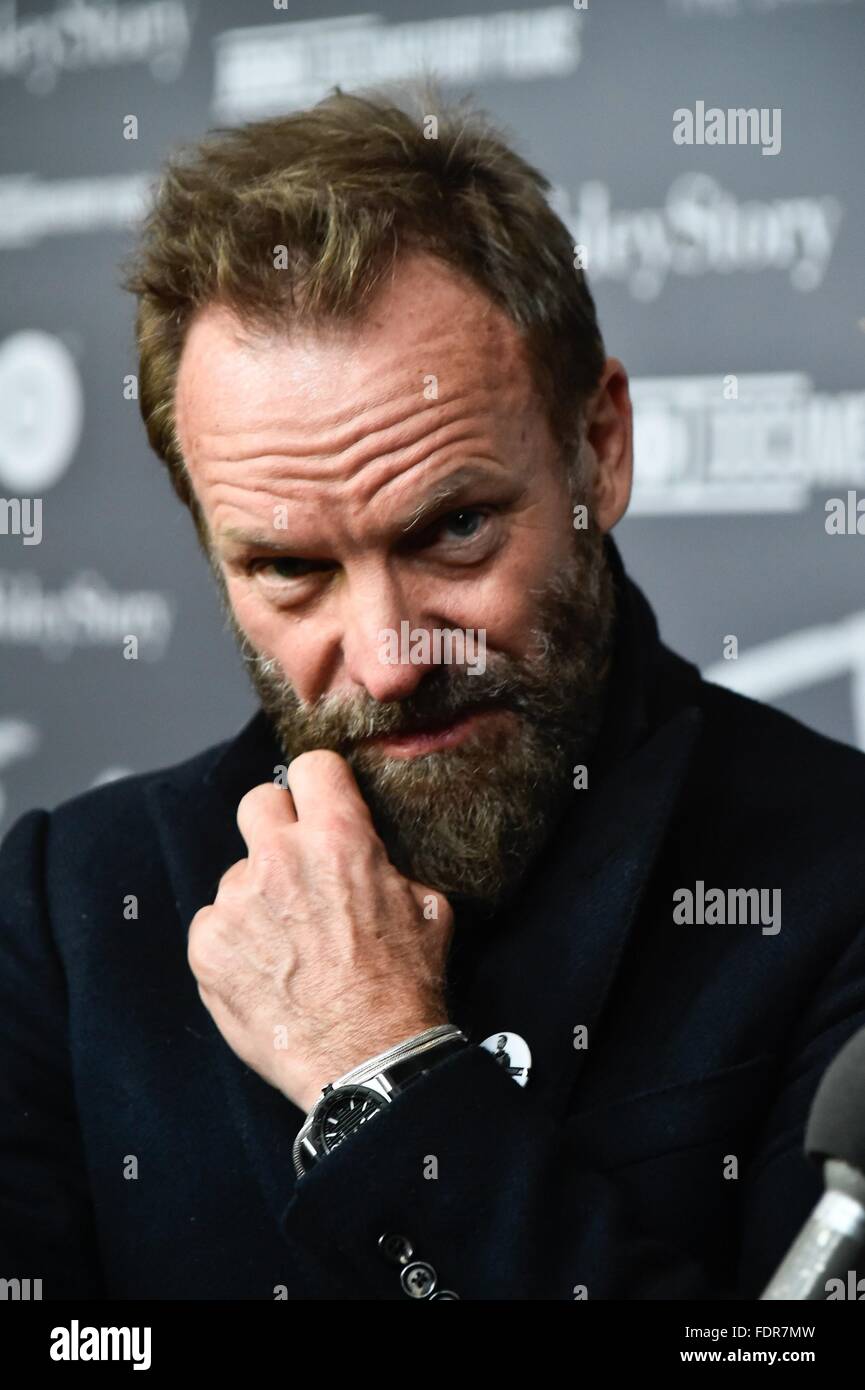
[(262, 810), (325, 790)]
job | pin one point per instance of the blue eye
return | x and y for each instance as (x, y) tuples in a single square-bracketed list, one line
[(464, 524)]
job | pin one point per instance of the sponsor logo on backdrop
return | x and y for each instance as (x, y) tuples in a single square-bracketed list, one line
[(41, 411), (799, 660), (276, 67), (32, 208), (83, 37), (733, 9), (764, 451), (84, 613), (702, 229)]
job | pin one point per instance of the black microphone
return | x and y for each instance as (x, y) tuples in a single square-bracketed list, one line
[(834, 1235)]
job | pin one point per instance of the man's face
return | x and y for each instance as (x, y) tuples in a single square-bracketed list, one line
[(401, 471)]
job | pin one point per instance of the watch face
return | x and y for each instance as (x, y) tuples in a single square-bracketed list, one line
[(341, 1113)]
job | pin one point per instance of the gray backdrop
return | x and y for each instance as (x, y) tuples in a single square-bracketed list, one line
[(728, 280)]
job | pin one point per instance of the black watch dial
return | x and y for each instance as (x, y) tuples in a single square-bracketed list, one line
[(343, 1112)]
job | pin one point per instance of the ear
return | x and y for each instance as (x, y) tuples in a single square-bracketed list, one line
[(610, 437)]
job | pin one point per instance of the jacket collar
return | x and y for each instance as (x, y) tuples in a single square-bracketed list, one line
[(545, 965), (548, 963)]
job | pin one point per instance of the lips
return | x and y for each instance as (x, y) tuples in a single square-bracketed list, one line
[(434, 735)]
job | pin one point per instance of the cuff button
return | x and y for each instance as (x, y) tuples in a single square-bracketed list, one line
[(418, 1279), (395, 1248), (444, 1293)]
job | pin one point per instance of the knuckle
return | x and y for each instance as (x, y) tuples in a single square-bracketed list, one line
[(198, 951), (206, 945), (233, 878)]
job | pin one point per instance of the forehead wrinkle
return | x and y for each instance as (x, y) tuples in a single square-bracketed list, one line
[(405, 478), (340, 529), (344, 378), (372, 476), (410, 425), (364, 467), (242, 492), (384, 409), (365, 475), (285, 390), (382, 413), (472, 415)]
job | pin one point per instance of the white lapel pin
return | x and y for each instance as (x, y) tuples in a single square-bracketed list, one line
[(511, 1052)]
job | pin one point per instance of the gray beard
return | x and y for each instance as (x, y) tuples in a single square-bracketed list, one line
[(468, 821)]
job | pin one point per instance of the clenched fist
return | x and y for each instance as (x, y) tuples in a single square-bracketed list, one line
[(317, 953)]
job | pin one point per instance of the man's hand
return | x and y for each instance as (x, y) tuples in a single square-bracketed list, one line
[(316, 953)]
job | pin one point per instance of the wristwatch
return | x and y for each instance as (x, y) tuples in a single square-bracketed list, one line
[(352, 1100)]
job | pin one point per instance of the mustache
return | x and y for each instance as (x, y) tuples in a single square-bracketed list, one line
[(340, 723)]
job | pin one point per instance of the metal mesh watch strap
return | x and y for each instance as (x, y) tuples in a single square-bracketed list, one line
[(409, 1068), (392, 1056)]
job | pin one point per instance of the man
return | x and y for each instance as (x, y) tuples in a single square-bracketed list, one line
[(377, 381)]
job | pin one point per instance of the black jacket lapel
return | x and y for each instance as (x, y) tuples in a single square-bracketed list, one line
[(548, 966)]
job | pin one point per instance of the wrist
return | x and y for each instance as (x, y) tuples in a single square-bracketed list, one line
[(356, 1097), (345, 1063)]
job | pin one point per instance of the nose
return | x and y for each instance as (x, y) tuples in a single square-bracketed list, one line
[(376, 645)]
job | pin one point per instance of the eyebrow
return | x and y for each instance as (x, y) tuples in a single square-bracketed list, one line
[(234, 533), (457, 482), (451, 487)]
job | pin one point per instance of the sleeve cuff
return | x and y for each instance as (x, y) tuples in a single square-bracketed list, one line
[(438, 1168)]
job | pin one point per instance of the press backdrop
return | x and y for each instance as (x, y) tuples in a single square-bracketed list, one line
[(728, 279)]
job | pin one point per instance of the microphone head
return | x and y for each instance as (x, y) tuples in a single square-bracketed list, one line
[(836, 1124)]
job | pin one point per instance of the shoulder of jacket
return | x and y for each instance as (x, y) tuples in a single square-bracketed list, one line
[(775, 762)]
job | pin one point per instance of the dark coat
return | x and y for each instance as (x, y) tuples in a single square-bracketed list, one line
[(609, 1171)]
